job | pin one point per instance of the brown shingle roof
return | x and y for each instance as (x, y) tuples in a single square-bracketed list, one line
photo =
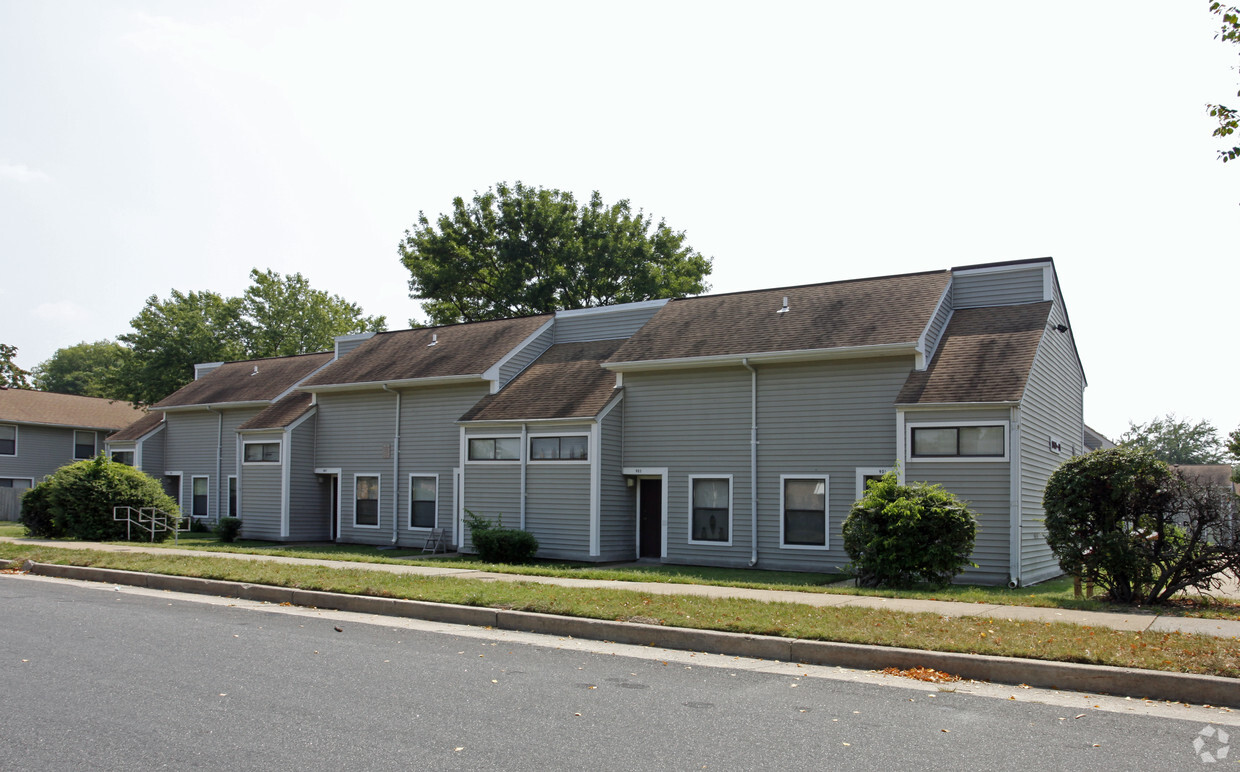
[(282, 413), (462, 349), (565, 382), (138, 429), (864, 312), (237, 381), (984, 356), (44, 407)]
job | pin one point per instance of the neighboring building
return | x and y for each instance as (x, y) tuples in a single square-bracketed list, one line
[(640, 430), (41, 432), (1096, 440)]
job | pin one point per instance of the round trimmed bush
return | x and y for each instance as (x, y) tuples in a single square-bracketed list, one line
[(496, 544), (902, 535), (77, 501)]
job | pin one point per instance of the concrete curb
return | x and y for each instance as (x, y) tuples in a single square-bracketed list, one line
[(1093, 679)]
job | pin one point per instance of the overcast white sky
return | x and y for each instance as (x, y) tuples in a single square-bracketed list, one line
[(146, 146)]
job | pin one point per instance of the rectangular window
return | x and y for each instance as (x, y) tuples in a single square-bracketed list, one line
[(570, 448), (123, 457), (366, 496), (867, 475), (83, 444), (803, 501), (495, 449), (710, 501), (232, 495), (199, 505), (422, 492), (262, 453), (958, 441), (8, 440), (20, 483)]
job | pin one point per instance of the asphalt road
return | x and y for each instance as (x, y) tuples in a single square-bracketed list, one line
[(94, 677)]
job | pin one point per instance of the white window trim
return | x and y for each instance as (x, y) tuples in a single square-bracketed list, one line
[(274, 441), (559, 461), (867, 471), (227, 494), (493, 462), (731, 509), (908, 442), (826, 512), (206, 477), (409, 513), (378, 502), (16, 443), (94, 443)]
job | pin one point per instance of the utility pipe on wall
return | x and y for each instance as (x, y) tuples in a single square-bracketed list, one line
[(753, 463), (525, 441), (395, 470), (219, 465)]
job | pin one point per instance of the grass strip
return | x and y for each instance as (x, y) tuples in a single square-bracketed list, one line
[(1055, 641)]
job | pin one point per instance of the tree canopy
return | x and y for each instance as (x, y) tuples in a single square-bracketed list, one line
[(284, 316), (86, 369), (1228, 118), (517, 250), (11, 376), (1176, 441)]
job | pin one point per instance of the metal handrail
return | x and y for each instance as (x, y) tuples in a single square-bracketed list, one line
[(150, 519)]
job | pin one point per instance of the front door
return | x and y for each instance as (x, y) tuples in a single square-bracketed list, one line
[(650, 517)]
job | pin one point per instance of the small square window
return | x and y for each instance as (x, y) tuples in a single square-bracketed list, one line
[(571, 448)]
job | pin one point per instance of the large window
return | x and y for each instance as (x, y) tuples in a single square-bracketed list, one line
[(8, 440), (422, 494), (366, 495), (83, 444), (199, 506), (262, 452), (20, 483), (959, 441), (568, 448), (803, 501), (710, 504), (123, 457), (495, 449)]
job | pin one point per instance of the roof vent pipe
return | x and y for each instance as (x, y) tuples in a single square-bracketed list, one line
[(784, 309), (434, 340)]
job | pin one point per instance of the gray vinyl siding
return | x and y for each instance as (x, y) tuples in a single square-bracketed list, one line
[(526, 355), (345, 346), (356, 433), (617, 501), (557, 509), (190, 447), (309, 518), (430, 444), (1052, 407), (608, 325), (261, 492), (41, 450), (1000, 288), (153, 454), (986, 485), (493, 491), (937, 325)]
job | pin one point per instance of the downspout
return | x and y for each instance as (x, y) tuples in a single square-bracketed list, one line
[(219, 461), (524, 455), (753, 463), (395, 470)]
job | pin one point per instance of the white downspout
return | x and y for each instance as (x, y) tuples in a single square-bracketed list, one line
[(753, 463), (395, 469), (525, 441)]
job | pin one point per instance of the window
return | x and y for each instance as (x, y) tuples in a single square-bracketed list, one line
[(570, 448), (422, 492), (868, 474), (710, 502), (20, 483), (495, 449), (959, 441), (803, 501), (123, 457), (366, 495), (232, 495), (262, 453), (83, 444), (8, 440), (198, 508)]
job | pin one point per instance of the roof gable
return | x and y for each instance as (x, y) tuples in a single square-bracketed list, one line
[(45, 407), (567, 381), (282, 414), (138, 429), (253, 380)]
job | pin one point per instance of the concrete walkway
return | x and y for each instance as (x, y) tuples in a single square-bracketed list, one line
[(1134, 621)]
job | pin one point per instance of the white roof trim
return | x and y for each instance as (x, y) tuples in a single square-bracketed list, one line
[(1024, 265), (616, 308), (924, 356), (492, 372), (213, 406), (362, 385), (843, 352)]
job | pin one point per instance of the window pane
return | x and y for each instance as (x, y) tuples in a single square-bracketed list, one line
[(271, 451), (200, 497), (981, 440), (710, 510), (232, 496), (805, 527), (367, 509), (805, 494), (8, 440), (934, 442), (83, 444), (507, 448), (481, 450), (544, 448), (422, 508), (123, 457), (573, 448), (709, 493)]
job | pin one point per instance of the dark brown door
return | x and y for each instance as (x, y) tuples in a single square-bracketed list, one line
[(650, 517)]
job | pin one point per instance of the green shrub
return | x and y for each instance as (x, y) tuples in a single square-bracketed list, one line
[(227, 529), (77, 501), (497, 544), (1128, 523), (900, 535)]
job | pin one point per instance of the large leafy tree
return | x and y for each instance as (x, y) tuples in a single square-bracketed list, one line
[(517, 250), (11, 376), (87, 369), (1228, 118), (1176, 441), (284, 315)]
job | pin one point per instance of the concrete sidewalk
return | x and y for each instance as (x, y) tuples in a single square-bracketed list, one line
[(1132, 621)]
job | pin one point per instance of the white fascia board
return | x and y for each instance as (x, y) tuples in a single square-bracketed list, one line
[(507, 422), (216, 406), (768, 357), (307, 377), (251, 433), (302, 419), (1023, 265), (610, 405), (923, 356), (618, 307), (404, 382), (492, 372), (81, 427)]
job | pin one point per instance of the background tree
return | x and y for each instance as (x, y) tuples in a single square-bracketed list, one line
[(1228, 118), (1176, 441), (516, 251), (284, 316), (87, 369), (11, 376)]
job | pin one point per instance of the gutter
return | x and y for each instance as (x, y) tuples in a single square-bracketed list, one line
[(395, 470), (753, 463), (799, 355)]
